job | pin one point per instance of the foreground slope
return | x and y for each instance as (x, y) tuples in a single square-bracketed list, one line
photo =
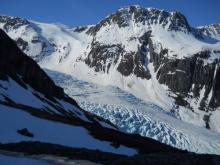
[(25, 87)]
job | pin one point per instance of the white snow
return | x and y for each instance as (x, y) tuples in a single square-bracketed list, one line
[(134, 115), (68, 107), (72, 46), (214, 120), (181, 44), (21, 95), (52, 132)]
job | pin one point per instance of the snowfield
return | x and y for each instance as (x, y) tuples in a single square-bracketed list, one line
[(12, 90), (51, 132), (133, 115)]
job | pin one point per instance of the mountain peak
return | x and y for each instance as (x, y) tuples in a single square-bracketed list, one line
[(136, 14), (12, 22), (212, 30)]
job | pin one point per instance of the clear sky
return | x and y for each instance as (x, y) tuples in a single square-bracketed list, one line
[(84, 12)]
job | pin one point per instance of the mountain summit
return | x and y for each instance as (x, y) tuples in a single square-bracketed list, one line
[(127, 16)]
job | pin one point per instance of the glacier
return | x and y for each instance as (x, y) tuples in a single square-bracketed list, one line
[(133, 115)]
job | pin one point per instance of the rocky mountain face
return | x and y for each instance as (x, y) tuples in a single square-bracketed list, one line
[(186, 77), (132, 62), (26, 40), (12, 22), (15, 63), (212, 30), (146, 44)]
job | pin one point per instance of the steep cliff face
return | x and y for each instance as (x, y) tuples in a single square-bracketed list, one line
[(131, 38), (188, 77), (15, 63), (128, 31), (28, 36)]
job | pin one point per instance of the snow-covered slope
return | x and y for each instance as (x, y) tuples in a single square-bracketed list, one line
[(133, 115), (25, 87), (153, 54), (50, 44), (51, 132), (37, 117)]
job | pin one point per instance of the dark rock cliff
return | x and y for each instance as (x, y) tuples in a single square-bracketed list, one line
[(188, 76), (194, 77), (15, 63)]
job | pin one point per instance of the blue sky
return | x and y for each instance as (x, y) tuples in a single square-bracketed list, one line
[(83, 12)]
